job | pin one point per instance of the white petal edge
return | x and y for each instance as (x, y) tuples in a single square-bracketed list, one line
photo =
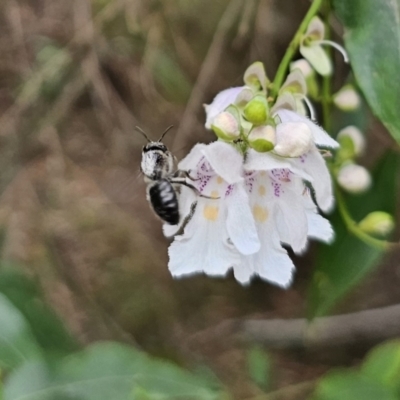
[(319, 228)]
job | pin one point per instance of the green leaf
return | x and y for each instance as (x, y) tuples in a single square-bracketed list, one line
[(342, 265), (372, 39), (47, 328), (259, 366), (17, 343), (31, 382), (383, 365), (349, 385), (107, 371)]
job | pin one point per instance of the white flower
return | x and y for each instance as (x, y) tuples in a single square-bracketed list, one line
[(259, 200), (311, 47), (220, 227)]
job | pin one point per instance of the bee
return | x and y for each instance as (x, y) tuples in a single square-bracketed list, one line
[(158, 166)]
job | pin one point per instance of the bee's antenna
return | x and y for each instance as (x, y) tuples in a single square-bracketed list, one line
[(142, 132), (165, 132)]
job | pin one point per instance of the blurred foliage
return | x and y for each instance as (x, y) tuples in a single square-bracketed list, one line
[(373, 41), (377, 378), (348, 260), (259, 366), (39, 370)]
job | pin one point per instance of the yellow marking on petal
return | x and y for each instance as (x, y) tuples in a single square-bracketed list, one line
[(262, 190), (220, 180), (263, 173), (260, 213), (214, 194), (211, 213)]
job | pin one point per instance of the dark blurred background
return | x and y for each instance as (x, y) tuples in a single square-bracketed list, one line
[(75, 78)]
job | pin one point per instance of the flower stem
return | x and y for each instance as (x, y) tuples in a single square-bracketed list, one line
[(293, 47), (326, 94), (353, 227)]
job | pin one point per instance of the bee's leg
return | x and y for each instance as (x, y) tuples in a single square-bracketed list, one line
[(182, 181), (186, 174), (185, 221)]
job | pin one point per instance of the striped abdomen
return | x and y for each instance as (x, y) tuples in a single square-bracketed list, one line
[(164, 201)]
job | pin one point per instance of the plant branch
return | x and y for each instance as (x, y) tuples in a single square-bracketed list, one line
[(353, 227), (371, 326), (293, 47)]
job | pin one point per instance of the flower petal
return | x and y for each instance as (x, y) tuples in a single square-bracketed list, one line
[(291, 217), (314, 165), (240, 222), (318, 58), (315, 29), (208, 250), (221, 101), (192, 159), (321, 138), (225, 160), (256, 161), (271, 263)]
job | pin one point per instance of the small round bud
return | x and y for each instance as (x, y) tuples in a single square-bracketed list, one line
[(356, 137), (262, 138), (293, 139), (256, 110), (226, 126), (221, 101), (347, 99), (354, 178), (378, 223)]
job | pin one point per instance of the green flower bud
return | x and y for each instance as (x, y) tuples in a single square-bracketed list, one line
[(262, 138), (377, 223), (256, 110)]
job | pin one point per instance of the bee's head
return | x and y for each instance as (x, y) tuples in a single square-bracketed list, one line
[(153, 146)]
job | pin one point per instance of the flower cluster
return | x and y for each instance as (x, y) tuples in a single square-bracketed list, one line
[(254, 187)]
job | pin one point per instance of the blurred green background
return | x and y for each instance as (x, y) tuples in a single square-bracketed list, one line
[(79, 243)]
